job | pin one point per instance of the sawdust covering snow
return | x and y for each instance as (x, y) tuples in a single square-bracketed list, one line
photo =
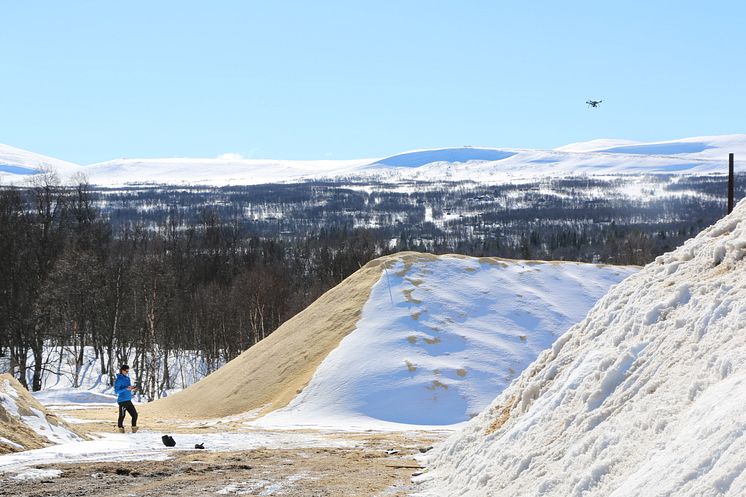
[(438, 339), (429, 341), (272, 372), (24, 423), (645, 397)]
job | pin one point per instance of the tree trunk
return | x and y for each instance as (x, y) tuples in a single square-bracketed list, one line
[(38, 353)]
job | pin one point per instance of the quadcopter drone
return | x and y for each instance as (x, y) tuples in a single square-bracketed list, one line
[(594, 103)]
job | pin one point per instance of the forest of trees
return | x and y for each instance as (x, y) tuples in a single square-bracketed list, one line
[(67, 279), (148, 272)]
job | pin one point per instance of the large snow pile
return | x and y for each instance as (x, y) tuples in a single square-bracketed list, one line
[(431, 341), (24, 423), (645, 397), (439, 338)]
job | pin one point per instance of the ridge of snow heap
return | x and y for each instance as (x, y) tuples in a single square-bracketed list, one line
[(24, 423), (645, 397), (440, 336)]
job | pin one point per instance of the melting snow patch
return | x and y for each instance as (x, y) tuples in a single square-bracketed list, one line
[(261, 487), (36, 474), (11, 443)]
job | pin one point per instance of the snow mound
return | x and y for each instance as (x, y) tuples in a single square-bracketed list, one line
[(24, 423), (410, 339), (644, 397), (440, 337), (460, 154)]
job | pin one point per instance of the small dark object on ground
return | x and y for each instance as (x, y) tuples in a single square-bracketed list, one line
[(425, 449), (168, 441), (199, 446), (391, 452), (126, 472)]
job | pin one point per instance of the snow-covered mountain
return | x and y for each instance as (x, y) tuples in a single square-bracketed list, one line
[(215, 171), (643, 398), (702, 155), (411, 339), (17, 164)]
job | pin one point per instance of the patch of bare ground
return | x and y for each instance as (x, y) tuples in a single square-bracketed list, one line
[(364, 470)]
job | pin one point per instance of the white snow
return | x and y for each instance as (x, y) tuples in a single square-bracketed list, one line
[(595, 145), (643, 398), (417, 158), (61, 384), (214, 171), (17, 164), (36, 474), (699, 155), (11, 443), (147, 446), (439, 340), (263, 487), (37, 421)]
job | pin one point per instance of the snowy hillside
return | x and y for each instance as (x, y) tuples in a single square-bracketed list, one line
[(701, 148), (643, 398), (16, 164), (702, 155), (24, 423), (489, 165), (214, 171), (419, 158), (427, 341)]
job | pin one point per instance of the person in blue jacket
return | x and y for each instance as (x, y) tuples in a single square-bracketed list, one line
[(123, 387)]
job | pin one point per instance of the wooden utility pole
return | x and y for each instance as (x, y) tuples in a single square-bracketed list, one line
[(731, 183)]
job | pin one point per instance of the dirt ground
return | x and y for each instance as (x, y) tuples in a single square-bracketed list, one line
[(364, 470), (303, 472)]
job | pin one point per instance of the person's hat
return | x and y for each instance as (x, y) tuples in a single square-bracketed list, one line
[(124, 367)]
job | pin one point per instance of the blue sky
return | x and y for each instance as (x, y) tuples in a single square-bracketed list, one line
[(88, 81)]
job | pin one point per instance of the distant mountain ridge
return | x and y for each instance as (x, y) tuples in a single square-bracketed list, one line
[(699, 155), (18, 162)]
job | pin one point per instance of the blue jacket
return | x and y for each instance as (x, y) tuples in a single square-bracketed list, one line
[(120, 387)]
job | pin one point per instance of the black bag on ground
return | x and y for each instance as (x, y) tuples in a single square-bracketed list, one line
[(168, 441)]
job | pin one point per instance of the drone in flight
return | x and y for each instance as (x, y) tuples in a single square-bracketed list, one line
[(594, 103)]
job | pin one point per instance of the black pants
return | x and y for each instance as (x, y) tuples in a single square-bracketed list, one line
[(127, 407)]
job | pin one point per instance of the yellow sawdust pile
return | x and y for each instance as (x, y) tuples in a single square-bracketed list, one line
[(272, 372)]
